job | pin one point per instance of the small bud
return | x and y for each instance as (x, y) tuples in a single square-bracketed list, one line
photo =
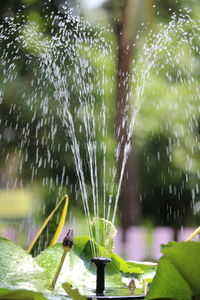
[(132, 285), (68, 241)]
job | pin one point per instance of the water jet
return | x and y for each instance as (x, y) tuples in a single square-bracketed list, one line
[(53, 74)]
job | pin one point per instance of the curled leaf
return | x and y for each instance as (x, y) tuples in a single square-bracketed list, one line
[(61, 223), (104, 232), (72, 292)]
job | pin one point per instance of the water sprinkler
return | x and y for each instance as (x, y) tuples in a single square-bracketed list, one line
[(100, 263)]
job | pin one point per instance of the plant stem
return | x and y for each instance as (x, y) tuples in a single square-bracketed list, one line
[(65, 251), (193, 234), (67, 246)]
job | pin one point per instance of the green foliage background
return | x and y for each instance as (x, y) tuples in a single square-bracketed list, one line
[(169, 167)]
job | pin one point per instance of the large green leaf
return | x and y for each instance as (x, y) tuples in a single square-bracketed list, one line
[(78, 269), (80, 272), (25, 277), (18, 294), (19, 269), (168, 283), (178, 272), (186, 259)]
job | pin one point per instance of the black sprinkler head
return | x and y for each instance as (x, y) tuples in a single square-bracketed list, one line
[(100, 263)]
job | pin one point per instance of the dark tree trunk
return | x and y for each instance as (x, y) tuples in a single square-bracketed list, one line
[(129, 204)]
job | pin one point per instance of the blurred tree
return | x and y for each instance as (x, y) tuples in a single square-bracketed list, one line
[(126, 28), (128, 16), (165, 200), (38, 139), (162, 191), (167, 131)]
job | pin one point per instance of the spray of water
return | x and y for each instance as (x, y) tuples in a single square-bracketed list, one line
[(67, 89)]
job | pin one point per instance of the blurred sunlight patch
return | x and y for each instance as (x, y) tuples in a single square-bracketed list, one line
[(15, 203)]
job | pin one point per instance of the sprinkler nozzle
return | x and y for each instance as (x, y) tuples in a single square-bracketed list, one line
[(100, 263)]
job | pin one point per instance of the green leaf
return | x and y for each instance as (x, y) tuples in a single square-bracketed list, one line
[(104, 232), (73, 293), (13, 294), (21, 295), (78, 270), (168, 283), (59, 228), (178, 272), (19, 269), (186, 259), (139, 271), (170, 244), (148, 269), (127, 267)]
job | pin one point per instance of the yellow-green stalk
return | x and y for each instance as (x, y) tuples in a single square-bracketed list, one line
[(193, 234)]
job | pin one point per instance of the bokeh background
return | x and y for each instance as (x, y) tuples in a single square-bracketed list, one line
[(159, 199)]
